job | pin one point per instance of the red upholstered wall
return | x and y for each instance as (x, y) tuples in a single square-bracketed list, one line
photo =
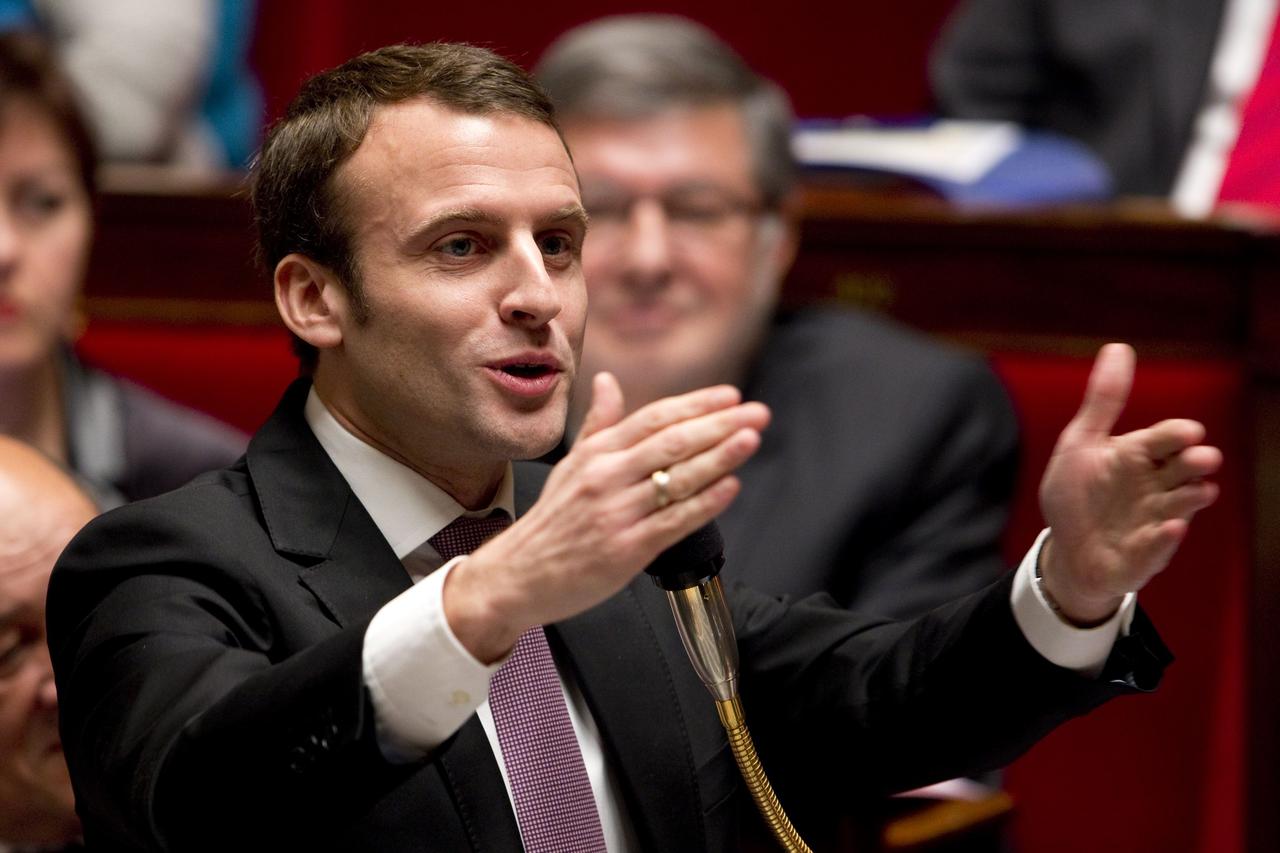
[(1163, 772), (834, 59)]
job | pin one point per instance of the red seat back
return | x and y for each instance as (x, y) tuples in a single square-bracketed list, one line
[(1163, 772), (235, 373)]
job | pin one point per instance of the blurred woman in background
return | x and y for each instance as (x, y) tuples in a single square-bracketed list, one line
[(125, 442)]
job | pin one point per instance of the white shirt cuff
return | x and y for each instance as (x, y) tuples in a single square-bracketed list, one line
[(1082, 650), (423, 682)]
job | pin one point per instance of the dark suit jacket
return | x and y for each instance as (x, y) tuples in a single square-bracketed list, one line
[(207, 646), (1126, 77), (885, 476)]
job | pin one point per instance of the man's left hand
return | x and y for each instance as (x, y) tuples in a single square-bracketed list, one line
[(1118, 506)]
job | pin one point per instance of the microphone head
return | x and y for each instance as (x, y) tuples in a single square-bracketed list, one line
[(690, 561)]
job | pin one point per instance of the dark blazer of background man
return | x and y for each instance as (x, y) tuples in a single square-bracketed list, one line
[(1126, 77), (209, 644), (886, 473)]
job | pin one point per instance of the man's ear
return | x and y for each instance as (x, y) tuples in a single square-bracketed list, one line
[(783, 241), (311, 301)]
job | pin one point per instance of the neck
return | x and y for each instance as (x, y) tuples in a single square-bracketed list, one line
[(32, 407), (472, 483), (471, 490)]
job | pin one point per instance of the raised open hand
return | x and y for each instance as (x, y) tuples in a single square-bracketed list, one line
[(602, 516), (1118, 506)]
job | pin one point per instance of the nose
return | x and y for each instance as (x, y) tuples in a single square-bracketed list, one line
[(46, 694), (646, 249), (10, 242), (534, 299)]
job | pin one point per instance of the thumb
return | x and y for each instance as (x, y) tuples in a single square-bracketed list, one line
[(1107, 392), (607, 407)]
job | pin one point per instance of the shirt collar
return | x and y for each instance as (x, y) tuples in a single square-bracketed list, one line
[(407, 508)]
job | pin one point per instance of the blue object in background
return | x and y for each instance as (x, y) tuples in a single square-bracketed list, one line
[(233, 104), (16, 15), (1045, 168)]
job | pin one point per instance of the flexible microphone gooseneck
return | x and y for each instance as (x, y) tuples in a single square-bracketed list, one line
[(689, 572)]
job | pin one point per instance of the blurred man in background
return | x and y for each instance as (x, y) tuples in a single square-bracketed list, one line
[(40, 510), (895, 455)]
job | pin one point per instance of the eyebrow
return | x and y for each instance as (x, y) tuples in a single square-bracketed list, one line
[(572, 213), (461, 215)]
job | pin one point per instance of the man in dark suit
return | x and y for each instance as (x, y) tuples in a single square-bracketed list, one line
[(896, 455), (1126, 77), (274, 656)]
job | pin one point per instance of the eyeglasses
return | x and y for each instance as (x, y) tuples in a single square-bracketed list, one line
[(691, 212)]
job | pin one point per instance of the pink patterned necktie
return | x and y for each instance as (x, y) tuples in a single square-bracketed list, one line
[(549, 785)]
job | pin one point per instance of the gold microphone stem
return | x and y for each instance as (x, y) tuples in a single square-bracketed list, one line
[(744, 752)]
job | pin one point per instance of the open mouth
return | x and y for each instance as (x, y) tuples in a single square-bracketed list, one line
[(527, 371), (531, 375)]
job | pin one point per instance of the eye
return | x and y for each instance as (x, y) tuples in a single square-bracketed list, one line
[(458, 247), (555, 244), (36, 204), (12, 647), (699, 212)]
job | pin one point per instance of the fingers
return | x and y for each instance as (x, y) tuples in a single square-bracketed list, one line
[(687, 439), (681, 518), (1171, 447), (607, 405), (1152, 547), (694, 437), (1194, 463), (696, 473), (663, 413), (1185, 501), (1163, 440), (1106, 393)]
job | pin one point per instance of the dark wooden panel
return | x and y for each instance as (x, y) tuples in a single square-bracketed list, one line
[(186, 243), (1039, 280)]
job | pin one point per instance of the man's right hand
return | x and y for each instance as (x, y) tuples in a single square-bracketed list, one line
[(599, 521)]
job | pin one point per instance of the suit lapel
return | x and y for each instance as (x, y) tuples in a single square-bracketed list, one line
[(361, 574), (312, 515), (470, 769), (629, 686)]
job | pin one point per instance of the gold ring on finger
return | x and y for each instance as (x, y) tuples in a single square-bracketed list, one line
[(662, 486)]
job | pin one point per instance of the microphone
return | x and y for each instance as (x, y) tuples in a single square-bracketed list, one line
[(689, 572)]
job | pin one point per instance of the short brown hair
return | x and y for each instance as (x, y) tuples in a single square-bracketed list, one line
[(296, 205), (29, 71), (635, 67)]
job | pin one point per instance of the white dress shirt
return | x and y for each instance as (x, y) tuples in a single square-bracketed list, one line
[(424, 684)]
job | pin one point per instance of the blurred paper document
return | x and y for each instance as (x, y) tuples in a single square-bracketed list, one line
[(956, 151)]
